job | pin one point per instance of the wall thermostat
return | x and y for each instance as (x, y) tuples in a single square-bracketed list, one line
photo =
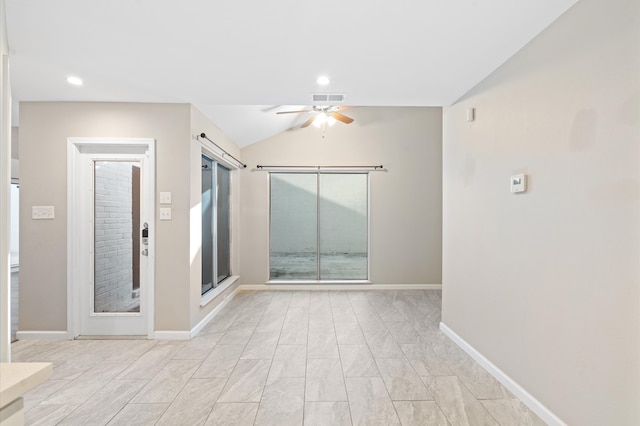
[(519, 183)]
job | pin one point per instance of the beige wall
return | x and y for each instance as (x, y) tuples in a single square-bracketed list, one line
[(546, 284), (15, 152), (44, 129), (406, 199), (200, 124)]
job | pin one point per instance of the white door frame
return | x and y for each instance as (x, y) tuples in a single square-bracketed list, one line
[(5, 196), (76, 148)]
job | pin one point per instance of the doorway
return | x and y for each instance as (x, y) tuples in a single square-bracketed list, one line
[(15, 255), (111, 228)]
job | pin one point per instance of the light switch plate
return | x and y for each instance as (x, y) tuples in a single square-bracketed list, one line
[(165, 198), (165, 213), (42, 212), (519, 183)]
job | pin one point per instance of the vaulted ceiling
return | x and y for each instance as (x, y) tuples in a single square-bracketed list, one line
[(241, 61)]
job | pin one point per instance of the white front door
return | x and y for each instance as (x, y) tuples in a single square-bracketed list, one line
[(114, 225)]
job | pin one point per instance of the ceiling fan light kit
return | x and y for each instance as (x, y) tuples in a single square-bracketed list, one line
[(325, 118)]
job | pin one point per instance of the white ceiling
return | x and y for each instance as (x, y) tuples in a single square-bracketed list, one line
[(240, 61)]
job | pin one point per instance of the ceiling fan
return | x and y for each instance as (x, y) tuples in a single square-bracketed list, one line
[(322, 114)]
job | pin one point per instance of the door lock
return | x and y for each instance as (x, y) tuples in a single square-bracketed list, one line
[(145, 235)]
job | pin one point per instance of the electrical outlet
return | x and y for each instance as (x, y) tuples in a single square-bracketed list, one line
[(42, 212)]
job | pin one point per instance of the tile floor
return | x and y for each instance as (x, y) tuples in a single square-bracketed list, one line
[(279, 358)]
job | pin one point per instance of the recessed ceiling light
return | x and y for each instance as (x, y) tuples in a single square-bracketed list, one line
[(76, 81), (323, 80)]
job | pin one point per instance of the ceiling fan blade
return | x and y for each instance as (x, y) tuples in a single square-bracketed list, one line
[(341, 117), (308, 122), (294, 112)]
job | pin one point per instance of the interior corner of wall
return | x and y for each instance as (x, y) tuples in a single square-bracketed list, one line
[(15, 169)]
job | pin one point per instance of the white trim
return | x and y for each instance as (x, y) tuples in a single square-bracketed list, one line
[(207, 319), (207, 151), (151, 221), (212, 151), (73, 274), (321, 286), (213, 293), (5, 194), (76, 147), (172, 335), (529, 400), (42, 335)]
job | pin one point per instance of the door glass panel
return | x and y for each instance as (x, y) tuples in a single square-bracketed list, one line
[(116, 236), (207, 224), (294, 242), (343, 226), (223, 223)]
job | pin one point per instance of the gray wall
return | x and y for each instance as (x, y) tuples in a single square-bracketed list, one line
[(15, 153), (15, 143), (546, 284), (200, 124), (44, 129), (406, 199)]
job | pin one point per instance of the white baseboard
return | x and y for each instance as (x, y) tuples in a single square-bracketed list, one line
[(325, 287), (207, 319), (171, 335), (42, 335), (529, 400)]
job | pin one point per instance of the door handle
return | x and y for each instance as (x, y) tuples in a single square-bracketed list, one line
[(145, 235)]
